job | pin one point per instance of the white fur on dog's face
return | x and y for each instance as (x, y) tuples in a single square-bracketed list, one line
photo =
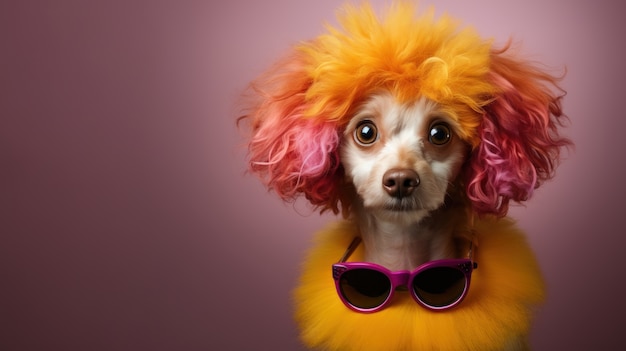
[(402, 141)]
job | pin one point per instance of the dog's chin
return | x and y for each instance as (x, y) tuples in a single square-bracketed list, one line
[(401, 205), (399, 209)]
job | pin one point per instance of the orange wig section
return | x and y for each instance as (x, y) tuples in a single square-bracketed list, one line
[(407, 55)]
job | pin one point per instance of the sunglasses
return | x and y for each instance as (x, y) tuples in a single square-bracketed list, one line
[(436, 285)]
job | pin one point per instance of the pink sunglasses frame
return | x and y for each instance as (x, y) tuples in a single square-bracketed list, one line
[(402, 278)]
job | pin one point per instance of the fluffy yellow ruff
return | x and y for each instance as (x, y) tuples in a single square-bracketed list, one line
[(496, 312)]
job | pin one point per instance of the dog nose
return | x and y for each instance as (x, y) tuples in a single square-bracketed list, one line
[(400, 182)]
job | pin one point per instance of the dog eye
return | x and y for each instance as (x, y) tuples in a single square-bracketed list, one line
[(366, 133), (439, 134)]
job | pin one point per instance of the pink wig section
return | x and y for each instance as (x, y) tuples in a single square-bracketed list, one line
[(520, 144), (291, 153)]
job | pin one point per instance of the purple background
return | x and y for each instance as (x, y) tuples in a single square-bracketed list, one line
[(126, 219)]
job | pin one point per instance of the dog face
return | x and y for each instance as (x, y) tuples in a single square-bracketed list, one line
[(401, 157)]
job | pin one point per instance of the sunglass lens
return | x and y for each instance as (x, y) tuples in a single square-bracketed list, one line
[(439, 286), (365, 288)]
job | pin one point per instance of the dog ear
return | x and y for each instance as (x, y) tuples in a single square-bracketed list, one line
[(520, 144), (293, 153)]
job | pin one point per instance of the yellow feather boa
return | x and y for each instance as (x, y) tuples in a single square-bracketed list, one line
[(495, 315)]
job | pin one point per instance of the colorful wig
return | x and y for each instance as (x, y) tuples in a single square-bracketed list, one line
[(506, 109)]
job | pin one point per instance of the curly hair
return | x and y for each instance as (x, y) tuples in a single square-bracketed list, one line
[(507, 109)]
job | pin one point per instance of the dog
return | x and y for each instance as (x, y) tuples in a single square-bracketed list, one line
[(413, 129)]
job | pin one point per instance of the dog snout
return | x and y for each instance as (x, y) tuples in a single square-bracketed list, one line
[(400, 182)]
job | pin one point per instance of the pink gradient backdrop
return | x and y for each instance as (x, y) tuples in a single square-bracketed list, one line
[(126, 220)]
